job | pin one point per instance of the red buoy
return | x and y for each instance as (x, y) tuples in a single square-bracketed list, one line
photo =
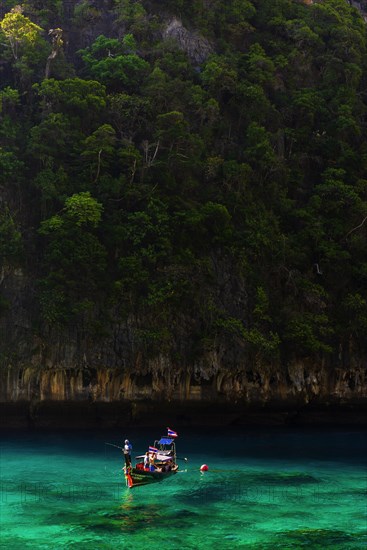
[(204, 468)]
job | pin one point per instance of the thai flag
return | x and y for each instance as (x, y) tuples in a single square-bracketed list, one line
[(171, 433), (153, 450)]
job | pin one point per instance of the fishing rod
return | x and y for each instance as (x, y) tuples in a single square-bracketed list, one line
[(112, 445), (117, 447)]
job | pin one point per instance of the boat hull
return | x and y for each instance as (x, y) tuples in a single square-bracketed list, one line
[(141, 477)]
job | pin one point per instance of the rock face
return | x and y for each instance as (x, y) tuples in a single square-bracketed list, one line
[(162, 380), (38, 366), (196, 46)]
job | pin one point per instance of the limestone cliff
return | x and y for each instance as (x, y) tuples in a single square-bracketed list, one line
[(230, 170), (73, 367)]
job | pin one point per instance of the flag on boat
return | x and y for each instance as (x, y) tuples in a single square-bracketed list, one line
[(153, 450), (171, 433)]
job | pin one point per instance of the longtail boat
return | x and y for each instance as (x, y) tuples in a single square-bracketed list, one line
[(163, 464)]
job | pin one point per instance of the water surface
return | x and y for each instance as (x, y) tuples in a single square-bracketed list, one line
[(264, 490)]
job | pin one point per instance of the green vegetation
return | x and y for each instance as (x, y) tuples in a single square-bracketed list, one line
[(217, 202)]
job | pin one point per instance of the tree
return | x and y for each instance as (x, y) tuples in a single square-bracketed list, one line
[(99, 149), (10, 167), (56, 139), (10, 238), (20, 31), (130, 114), (74, 260), (115, 63), (73, 97), (81, 210)]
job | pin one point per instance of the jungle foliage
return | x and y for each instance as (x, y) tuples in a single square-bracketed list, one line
[(218, 203)]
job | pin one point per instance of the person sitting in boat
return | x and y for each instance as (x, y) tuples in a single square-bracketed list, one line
[(127, 452), (151, 462), (146, 461), (167, 467)]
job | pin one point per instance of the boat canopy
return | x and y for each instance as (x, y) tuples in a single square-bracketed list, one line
[(163, 458), (165, 441)]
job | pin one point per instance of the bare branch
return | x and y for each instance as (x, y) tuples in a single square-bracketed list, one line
[(57, 43), (149, 159), (98, 166), (133, 170), (355, 228)]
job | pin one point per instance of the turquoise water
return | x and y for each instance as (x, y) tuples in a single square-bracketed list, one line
[(264, 490)]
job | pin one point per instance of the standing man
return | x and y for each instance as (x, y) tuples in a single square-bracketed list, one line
[(127, 452), (146, 461)]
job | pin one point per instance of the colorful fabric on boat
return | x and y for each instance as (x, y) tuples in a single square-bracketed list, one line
[(129, 479), (171, 433), (153, 450)]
